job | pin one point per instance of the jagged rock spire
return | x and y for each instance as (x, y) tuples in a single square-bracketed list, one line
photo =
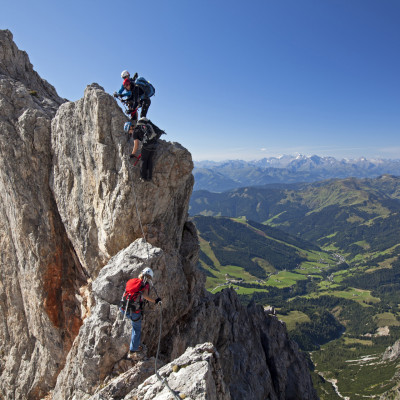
[(15, 65), (68, 216), (97, 188), (39, 311)]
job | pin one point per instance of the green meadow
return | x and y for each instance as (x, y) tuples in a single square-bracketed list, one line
[(293, 318)]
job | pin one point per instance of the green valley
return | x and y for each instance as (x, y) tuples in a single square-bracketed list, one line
[(326, 256)]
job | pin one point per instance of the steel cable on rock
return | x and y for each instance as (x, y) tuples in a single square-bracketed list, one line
[(140, 222), (163, 381), (147, 249)]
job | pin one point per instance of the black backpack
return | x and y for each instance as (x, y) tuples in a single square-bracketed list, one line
[(151, 133)]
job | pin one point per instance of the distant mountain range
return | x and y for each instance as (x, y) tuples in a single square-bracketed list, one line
[(225, 175)]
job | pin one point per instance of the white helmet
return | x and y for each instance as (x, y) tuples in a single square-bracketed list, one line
[(148, 271), (125, 74)]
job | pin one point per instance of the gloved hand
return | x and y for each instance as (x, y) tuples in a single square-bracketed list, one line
[(158, 300), (135, 76), (115, 94), (133, 156)]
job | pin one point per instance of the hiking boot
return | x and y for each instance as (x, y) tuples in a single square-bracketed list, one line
[(138, 355), (132, 354)]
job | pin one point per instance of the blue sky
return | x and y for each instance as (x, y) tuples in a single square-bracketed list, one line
[(233, 79)]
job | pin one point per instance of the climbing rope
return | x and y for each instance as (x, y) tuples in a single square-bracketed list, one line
[(138, 214), (147, 248), (163, 381), (140, 222)]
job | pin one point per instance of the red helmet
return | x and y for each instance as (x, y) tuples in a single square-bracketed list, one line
[(126, 82)]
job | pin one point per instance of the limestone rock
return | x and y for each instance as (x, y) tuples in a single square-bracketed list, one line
[(122, 385), (392, 352), (258, 359), (392, 394), (97, 188), (196, 374), (104, 338), (39, 271), (15, 65), (71, 237)]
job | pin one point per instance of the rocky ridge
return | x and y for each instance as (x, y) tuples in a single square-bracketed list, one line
[(70, 202), (38, 266), (392, 353)]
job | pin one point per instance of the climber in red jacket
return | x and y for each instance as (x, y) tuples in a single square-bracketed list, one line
[(136, 290)]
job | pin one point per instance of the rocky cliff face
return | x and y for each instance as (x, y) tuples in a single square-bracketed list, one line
[(95, 184), (71, 237), (392, 352), (40, 274)]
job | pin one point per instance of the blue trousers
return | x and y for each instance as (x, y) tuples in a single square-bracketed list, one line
[(136, 320)]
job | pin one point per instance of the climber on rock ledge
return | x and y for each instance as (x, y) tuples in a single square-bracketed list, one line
[(136, 290)]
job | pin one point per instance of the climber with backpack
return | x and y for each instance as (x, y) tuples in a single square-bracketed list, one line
[(125, 96), (137, 92), (148, 133), (132, 303), (125, 75)]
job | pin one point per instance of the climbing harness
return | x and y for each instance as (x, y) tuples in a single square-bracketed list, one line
[(129, 111), (137, 159)]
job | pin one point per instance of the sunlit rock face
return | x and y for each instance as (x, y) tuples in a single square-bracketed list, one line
[(40, 273), (76, 224), (97, 189)]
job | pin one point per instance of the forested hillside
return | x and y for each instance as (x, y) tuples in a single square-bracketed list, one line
[(258, 249), (327, 257), (351, 215)]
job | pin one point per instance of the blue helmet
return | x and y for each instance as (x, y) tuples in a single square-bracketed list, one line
[(127, 126)]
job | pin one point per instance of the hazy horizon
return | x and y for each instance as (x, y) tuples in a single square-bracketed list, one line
[(296, 155), (234, 81)]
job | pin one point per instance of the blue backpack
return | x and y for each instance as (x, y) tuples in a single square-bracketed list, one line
[(146, 86)]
